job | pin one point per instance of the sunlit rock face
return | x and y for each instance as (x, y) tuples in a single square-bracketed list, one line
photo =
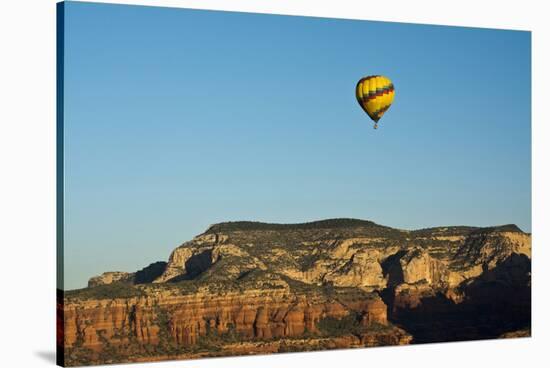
[(247, 287)]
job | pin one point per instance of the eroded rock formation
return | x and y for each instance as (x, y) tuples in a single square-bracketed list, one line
[(249, 287)]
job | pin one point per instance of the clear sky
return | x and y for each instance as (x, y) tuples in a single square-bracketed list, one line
[(177, 119)]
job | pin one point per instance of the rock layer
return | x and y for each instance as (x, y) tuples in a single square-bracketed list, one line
[(250, 287)]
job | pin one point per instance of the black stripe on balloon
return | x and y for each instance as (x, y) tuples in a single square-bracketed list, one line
[(379, 92), (382, 110), (368, 78)]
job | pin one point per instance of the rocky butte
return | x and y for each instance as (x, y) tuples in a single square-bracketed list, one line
[(250, 288)]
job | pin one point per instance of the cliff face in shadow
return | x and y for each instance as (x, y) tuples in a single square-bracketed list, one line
[(494, 303), (247, 287)]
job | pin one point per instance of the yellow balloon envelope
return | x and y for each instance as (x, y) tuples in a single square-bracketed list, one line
[(375, 95)]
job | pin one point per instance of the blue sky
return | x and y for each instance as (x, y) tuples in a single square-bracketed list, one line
[(177, 119)]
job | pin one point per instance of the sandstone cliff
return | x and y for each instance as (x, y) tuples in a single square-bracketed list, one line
[(247, 287)]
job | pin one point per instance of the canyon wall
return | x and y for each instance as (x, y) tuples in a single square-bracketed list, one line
[(242, 288)]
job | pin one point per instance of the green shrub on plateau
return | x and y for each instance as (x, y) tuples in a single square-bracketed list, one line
[(109, 291), (330, 326)]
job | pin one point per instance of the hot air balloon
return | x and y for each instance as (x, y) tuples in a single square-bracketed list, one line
[(375, 95)]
